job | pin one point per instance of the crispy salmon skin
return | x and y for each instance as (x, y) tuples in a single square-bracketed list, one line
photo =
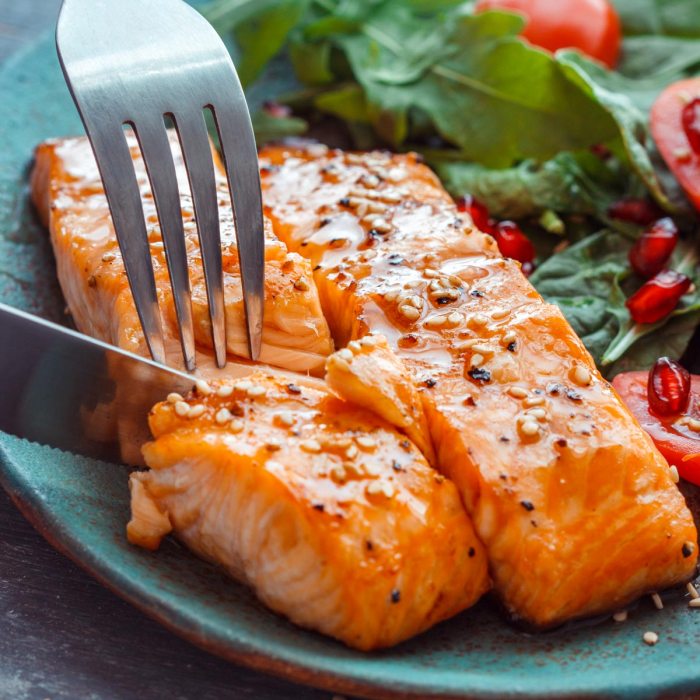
[(575, 506), (331, 516)]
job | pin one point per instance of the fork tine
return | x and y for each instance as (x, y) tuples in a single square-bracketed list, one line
[(124, 198), (158, 158), (196, 149), (236, 137)]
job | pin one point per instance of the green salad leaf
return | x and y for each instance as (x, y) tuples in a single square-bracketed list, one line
[(659, 17), (590, 282)]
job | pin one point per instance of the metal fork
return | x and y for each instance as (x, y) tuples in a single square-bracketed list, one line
[(136, 63)]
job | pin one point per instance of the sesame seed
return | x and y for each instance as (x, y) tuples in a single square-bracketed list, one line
[(581, 375), (483, 349), (455, 318), (354, 347), (223, 415), (108, 257), (499, 313), (391, 296), (237, 426), (694, 425), (351, 452), (339, 474), (313, 446), (620, 616), (338, 362), (202, 387), (476, 360), (415, 301), (692, 591), (650, 638), (517, 392), (509, 337), (174, 397), (529, 428), (256, 390), (478, 320), (381, 225), (675, 476), (243, 385), (365, 442), (344, 354), (538, 413), (694, 603), (435, 321), (534, 401), (455, 281), (369, 341), (374, 488), (467, 344), (430, 273), (182, 408), (656, 599), (286, 418), (387, 489), (224, 390), (301, 284), (196, 411), (410, 312)]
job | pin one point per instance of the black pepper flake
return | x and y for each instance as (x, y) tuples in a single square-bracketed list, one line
[(269, 168), (476, 293), (344, 202), (511, 346), (503, 477), (479, 374), (293, 389), (533, 523), (573, 395), (304, 244), (554, 388), (319, 507), (325, 221), (396, 466), (395, 595), (443, 300), (405, 444), (318, 267), (471, 552), (469, 401), (527, 505), (430, 383), (687, 549), (395, 259), (561, 442), (369, 546), (503, 438)]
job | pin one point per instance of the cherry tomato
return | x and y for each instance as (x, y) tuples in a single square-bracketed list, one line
[(675, 126), (589, 25), (672, 435)]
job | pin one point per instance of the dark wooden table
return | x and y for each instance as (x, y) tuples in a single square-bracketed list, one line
[(61, 634)]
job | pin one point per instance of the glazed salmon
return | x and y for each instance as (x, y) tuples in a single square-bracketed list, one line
[(68, 193), (333, 517), (575, 506)]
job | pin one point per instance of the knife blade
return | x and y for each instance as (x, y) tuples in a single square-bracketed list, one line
[(66, 390)]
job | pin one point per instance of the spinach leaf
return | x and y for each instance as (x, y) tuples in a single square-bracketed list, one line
[(590, 281), (672, 17)]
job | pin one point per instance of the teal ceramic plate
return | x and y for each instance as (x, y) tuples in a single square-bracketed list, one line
[(81, 506)]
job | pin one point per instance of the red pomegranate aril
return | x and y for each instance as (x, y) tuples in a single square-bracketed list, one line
[(636, 211), (476, 209), (668, 388), (513, 243), (653, 248), (659, 296), (691, 124)]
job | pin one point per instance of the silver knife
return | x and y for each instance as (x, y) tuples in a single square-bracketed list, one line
[(66, 390)]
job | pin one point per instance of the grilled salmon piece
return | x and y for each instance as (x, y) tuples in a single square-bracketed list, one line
[(575, 506), (331, 516), (68, 193)]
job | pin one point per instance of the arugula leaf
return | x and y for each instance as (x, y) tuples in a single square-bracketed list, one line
[(590, 281), (563, 184), (671, 17)]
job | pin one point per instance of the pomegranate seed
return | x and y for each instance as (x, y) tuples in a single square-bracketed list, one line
[(656, 298), (513, 243), (668, 388), (654, 247), (636, 211), (690, 118), (477, 210)]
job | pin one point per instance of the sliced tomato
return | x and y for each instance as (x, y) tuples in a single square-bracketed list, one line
[(672, 129), (675, 440), (592, 26)]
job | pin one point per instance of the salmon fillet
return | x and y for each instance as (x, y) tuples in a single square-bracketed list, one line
[(68, 193), (331, 516), (575, 506)]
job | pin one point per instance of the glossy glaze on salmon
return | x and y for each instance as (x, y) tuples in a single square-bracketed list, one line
[(68, 193), (575, 506), (332, 516)]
